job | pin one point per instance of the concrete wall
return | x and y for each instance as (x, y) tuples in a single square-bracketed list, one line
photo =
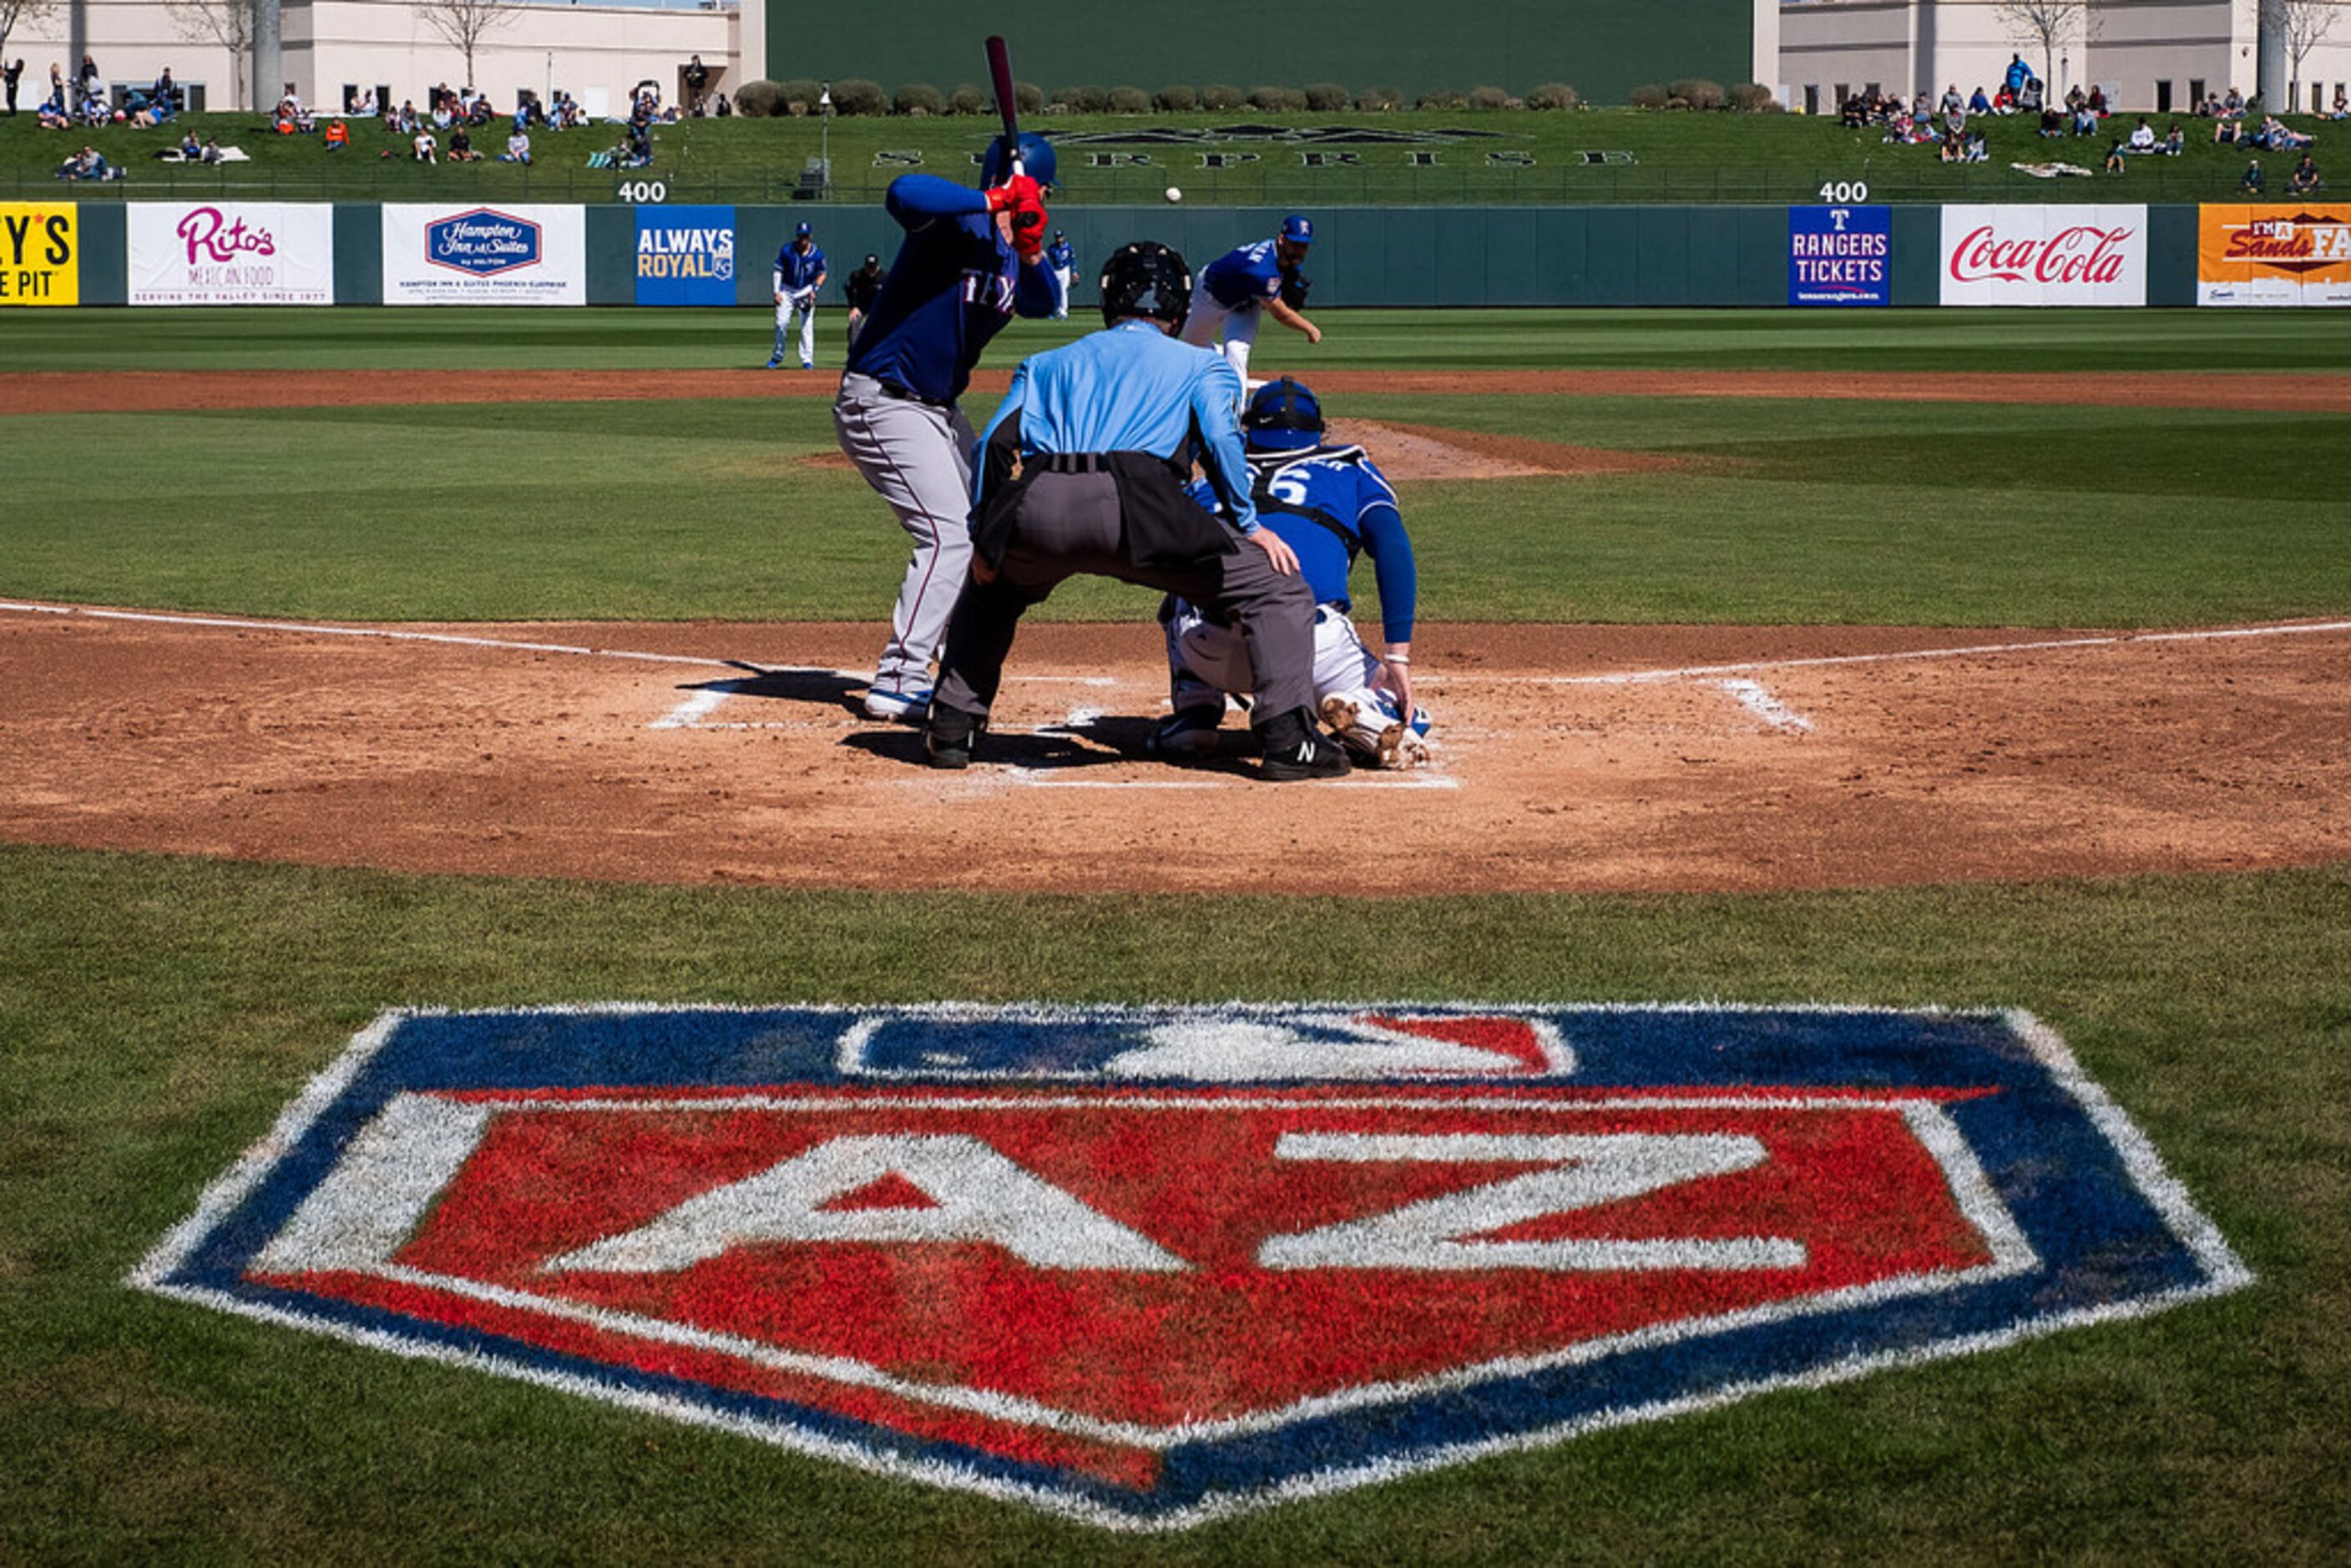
[(2132, 47), (601, 51)]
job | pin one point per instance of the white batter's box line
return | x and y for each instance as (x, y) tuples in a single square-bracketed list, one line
[(1756, 699), (1058, 779), (1693, 671)]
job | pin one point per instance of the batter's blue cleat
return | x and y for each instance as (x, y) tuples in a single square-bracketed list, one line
[(898, 707)]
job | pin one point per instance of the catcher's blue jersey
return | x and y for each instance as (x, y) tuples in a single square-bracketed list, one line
[(1329, 503)]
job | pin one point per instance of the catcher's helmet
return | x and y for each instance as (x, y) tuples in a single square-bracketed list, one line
[(1036, 160), (1146, 278), (1284, 414)]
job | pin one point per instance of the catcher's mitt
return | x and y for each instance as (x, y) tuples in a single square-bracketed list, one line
[(1293, 290)]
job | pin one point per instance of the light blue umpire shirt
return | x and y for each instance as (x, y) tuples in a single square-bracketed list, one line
[(1132, 388)]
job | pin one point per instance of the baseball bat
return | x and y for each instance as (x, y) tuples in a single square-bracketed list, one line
[(999, 75)]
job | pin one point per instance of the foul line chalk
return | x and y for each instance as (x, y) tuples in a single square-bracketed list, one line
[(1049, 779), (1688, 672), (1755, 699)]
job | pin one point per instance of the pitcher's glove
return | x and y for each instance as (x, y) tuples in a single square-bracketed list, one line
[(1293, 290)]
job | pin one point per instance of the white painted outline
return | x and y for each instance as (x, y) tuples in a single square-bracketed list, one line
[(2225, 1272), (1757, 699)]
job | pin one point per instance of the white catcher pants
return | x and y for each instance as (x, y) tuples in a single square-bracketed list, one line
[(917, 458), (800, 303), (1207, 661)]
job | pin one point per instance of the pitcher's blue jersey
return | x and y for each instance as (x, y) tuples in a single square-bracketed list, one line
[(796, 270), (1243, 276), (953, 285), (1329, 503)]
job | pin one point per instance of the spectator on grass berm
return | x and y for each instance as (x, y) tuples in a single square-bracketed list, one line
[(360, 105), (1979, 103), (2142, 136), (2053, 121), (49, 118), (2174, 142), (2032, 98), (2017, 74), (2076, 101), (212, 152), (2234, 106), (339, 136), (2250, 180), (2085, 122), (2342, 109), (1975, 150), (12, 74), (517, 150), (2305, 179), (726, 111), (1952, 102), (2097, 100), (191, 150), (461, 146), (425, 148), (2278, 138), (85, 164), (2114, 158), (90, 79), (1949, 150), (697, 83), (2226, 133)]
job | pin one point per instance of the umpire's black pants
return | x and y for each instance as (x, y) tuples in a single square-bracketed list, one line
[(1068, 524)]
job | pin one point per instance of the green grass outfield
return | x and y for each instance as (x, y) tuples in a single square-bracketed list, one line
[(1649, 156), (155, 1013)]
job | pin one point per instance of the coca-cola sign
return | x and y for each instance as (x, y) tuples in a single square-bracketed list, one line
[(2044, 255)]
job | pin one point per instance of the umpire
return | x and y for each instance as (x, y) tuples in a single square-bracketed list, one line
[(1103, 430)]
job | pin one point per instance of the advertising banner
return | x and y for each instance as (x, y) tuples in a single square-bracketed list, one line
[(2044, 255), (2273, 255), (685, 256), (40, 253), (484, 255), (232, 253), (1840, 255)]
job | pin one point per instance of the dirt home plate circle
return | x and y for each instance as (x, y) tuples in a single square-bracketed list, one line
[(1147, 1267)]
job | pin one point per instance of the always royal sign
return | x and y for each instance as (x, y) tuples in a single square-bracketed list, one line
[(1148, 1267), (2044, 255), (232, 253), (484, 255), (685, 256)]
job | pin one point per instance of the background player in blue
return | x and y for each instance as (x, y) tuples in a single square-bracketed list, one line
[(1242, 286), (970, 259), (800, 272), (1329, 503), (1102, 431), (1062, 257)]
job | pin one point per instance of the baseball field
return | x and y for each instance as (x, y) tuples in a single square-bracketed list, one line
[(452, 660)]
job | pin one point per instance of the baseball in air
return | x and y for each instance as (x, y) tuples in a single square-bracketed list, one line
[(1174, 194)]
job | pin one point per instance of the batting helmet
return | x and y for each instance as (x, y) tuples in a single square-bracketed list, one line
[(1036, 160), (1146, 278), (1282, 415)]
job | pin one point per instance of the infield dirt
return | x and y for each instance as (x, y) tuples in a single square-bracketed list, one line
[(1570, 758)]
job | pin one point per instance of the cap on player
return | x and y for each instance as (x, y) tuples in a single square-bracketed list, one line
[(804, 231), (1298, 229), (871, 260)]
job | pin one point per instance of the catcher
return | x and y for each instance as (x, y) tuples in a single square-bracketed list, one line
[(1329, 503)]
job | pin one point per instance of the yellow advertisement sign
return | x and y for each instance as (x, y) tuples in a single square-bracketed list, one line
[(40, 253), (2276, 253)]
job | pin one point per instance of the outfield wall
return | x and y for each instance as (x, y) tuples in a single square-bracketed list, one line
[(165, 253)]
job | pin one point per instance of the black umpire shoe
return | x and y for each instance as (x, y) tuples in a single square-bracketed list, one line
[(947, 736), (1295, 748)]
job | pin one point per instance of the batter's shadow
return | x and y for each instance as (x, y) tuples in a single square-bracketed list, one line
[(829, 688), (1056, 748)]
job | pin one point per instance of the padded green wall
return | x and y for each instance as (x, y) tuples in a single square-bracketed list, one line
[(1604, 48)]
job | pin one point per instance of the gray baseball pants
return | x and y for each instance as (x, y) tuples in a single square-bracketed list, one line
[(917, 458), (1069, 525)]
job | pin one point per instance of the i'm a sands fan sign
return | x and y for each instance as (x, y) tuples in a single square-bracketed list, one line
[(1147, 1267)]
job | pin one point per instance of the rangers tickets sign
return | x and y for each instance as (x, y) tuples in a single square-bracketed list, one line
[(1145, 1267), (232, 253), (484, 255), (2044, 255), (2274, 254), (1840, 255)]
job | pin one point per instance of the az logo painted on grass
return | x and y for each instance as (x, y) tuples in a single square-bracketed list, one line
[(1148, 1265)]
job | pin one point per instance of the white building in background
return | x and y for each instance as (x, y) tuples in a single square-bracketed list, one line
[(2156, 56), (598, 52)]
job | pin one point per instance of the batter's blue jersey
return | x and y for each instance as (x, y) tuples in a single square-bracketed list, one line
[(953, 286), (1329, 503), (1243, 276), (797, 270)]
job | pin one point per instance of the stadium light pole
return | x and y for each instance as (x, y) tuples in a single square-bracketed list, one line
[(824, 134)]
